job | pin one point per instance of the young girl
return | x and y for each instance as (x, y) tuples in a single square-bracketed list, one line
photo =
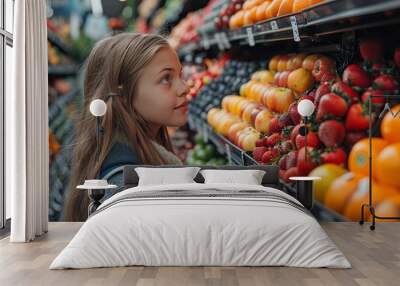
[(139, 78)]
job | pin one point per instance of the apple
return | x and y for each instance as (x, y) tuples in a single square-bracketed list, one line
[(262, 121), (279, 99), (246, 116), (249, 140), (273, 63), (283, 79), (297, 61), (234, 130), (282, 64), (276, 78), (309, 62), (255, 112)]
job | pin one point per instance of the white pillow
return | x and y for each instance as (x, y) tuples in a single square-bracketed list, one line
[(162, 176), (248, 177)]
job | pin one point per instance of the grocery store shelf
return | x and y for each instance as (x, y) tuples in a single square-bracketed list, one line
[(59, 43), (237, 156), (61, 103), (331, 17), (63, 70)]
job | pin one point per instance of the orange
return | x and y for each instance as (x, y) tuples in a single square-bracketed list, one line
[(248, 4), (389, 208), (379, 193), (247, 20), (260, 15), (240, 18), (309, 61), (273, 63), (340, 191), (299, 5), (313, 2), (274, 8), (388, 165), (282, 63), (358, 161), (390, 125), (285, 8), (253, 14)]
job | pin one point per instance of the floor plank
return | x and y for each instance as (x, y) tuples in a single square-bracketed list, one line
[(374, 255)]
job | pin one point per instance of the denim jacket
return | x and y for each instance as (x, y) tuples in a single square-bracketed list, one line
[(120, 154)]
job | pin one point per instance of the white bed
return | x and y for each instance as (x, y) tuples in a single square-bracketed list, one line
[(248, 226)]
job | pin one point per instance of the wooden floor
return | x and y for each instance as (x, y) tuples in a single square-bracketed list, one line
[(374, 255)]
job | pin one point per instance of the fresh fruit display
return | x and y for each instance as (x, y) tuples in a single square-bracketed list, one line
[(254, 11), (255, 107), (204, 154)]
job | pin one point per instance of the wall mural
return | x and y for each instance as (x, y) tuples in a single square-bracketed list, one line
[(312, 110)]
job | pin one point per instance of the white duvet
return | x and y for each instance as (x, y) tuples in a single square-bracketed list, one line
[(205, 231)]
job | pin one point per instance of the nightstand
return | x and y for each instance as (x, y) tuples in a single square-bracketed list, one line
[(304, 190), (96, 190)]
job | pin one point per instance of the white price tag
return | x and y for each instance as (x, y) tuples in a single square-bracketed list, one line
[(228, 153), (205, 133), (206, 42), (250, 36), (219, 42), (225, 39), (295, 29), (274, 25)]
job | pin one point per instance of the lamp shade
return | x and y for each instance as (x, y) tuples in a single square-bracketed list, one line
[(305, 107), (98, 107)]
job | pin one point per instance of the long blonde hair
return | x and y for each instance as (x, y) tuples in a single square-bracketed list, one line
[(113, 67)]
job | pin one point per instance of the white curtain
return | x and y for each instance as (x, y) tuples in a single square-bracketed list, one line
[(27, 124)]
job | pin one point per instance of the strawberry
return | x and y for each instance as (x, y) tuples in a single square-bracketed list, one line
[(295, 132), (306, 162), (286, 147), (323, 88), (275, 126), (331, 133), (292, 172), (396, 57), (291, 159), (331, 104), (355, 119), (336, 156), (312, 140), (267, 157), (274, 139), (353, 137), (342, 89), (355, 76), (322, 66), (371, 50), (386, 82), (282, 162), (294, 114), (275, 152), (373, 92), (260, 142), (258, 152)]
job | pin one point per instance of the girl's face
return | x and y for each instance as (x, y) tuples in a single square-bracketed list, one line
[(161, 91)]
